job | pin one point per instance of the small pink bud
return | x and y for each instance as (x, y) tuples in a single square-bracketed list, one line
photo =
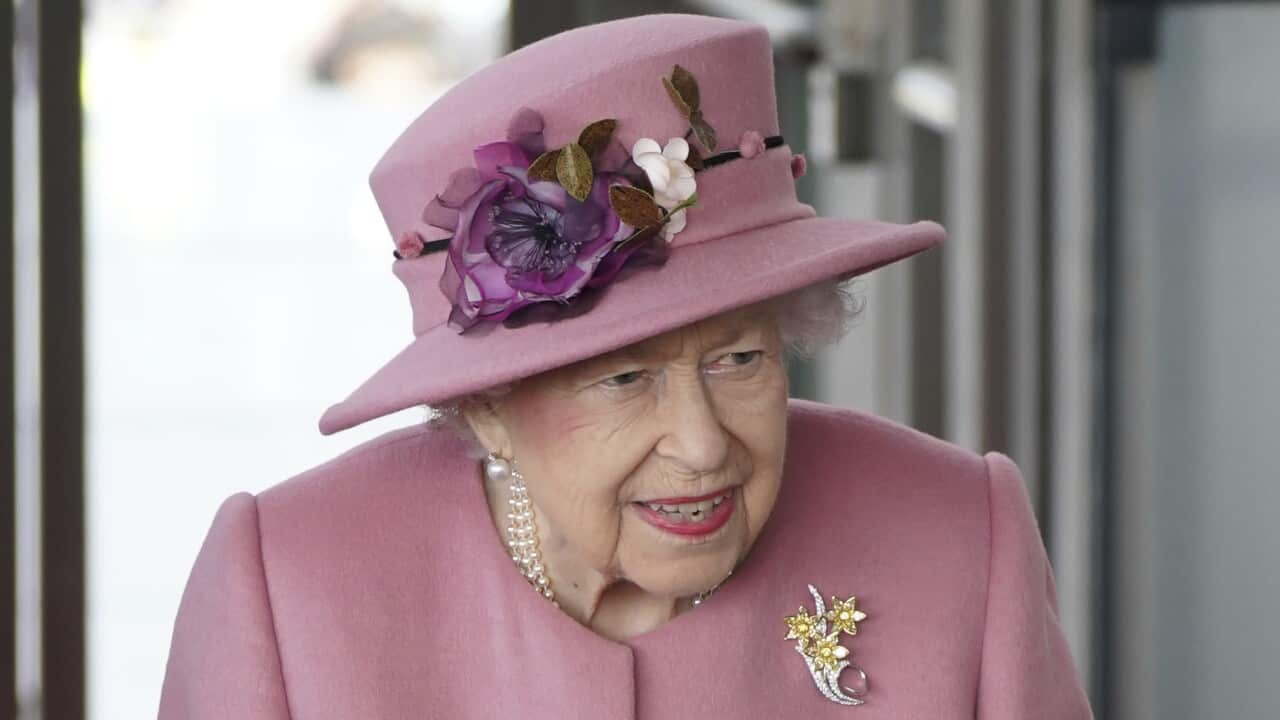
[(409, 244), (750, 144), (798, 166)]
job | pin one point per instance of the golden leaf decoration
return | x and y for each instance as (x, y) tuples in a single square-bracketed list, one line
[(674, 94), (682, 88), (694, 161), (683, 84), (635, 207), (595, 137), (573, 170), (544, 166), (706, 135)]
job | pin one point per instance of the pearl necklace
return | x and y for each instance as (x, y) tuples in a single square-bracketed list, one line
[(522, 533), (702, 596)]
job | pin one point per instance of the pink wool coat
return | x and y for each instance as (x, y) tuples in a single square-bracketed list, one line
[(375, 586)]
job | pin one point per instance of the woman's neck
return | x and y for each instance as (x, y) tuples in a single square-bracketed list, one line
[(624, 611)]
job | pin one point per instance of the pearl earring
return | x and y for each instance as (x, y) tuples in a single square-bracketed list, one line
[(522, 533)]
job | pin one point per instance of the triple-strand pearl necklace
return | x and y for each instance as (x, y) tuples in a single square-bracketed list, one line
[(522, 534)]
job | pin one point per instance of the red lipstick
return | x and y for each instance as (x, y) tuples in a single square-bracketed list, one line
[(680, 524)]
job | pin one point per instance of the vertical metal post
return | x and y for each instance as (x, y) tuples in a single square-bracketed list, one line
[(927, 172), (1016, 207), (1124, 36), (999, 126), (894, 291), (61, 218), (1043, 274), (1070, 488), (8, 393), (967, 223)]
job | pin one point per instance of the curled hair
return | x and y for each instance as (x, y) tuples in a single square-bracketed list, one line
[(817, 315)]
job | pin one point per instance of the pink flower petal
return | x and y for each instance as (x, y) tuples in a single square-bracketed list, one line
[(750, 144), (409, 244), (463, 183), (798, 166), (494, 155), (437, 214), (442, 211), (525, 130)]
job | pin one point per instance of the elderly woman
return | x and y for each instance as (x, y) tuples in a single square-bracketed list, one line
[(616, 511)]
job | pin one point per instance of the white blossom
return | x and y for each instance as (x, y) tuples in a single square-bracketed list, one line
[(669, 174)]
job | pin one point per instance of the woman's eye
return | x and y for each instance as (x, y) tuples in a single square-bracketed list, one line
[(623, 379), (739, 359)]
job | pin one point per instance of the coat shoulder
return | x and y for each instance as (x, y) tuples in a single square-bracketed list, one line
[(402, 459), (877, 480), (355, 511), (856, 436)]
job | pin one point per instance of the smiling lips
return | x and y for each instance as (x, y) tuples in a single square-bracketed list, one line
[(691, 517)]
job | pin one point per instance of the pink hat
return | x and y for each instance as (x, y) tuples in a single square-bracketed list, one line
[(592, 190)]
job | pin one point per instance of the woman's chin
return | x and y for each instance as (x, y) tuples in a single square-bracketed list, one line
[(687, 568)]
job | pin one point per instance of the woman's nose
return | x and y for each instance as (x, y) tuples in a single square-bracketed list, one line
[(693, 435)]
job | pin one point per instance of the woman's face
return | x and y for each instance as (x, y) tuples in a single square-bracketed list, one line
[(658, 463)]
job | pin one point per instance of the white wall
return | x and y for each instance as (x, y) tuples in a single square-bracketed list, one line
[(1200, 546)]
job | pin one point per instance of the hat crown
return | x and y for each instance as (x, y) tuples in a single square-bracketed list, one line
[(745, 239), (608, 70)]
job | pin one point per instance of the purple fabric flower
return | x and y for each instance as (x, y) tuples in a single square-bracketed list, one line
[(517, 242)]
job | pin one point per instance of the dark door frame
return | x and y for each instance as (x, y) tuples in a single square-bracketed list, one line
[(62, 365), (48, 32)]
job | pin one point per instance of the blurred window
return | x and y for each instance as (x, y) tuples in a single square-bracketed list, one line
[(238, 270)]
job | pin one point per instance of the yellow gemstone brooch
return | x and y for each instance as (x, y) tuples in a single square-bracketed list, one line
[(823, 654)]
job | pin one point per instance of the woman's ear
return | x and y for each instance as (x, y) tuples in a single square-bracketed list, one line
[(486, 424)]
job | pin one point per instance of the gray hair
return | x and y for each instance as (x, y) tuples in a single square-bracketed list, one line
[(818, 315), (808, 319)]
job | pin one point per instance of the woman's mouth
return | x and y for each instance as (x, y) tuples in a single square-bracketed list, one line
[(692, 517)]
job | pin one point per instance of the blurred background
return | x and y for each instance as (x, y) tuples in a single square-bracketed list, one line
[(194, 268)]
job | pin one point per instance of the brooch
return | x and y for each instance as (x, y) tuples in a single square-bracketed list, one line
[(823, 654)]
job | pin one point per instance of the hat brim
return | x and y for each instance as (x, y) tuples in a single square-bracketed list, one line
[(697, 281)]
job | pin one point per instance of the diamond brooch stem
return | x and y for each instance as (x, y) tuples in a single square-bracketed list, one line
[(522, 533)]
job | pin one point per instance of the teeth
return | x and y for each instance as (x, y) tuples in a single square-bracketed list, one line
[(690, 512)]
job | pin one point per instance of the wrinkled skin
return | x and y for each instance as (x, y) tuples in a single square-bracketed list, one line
[(692, 411)]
